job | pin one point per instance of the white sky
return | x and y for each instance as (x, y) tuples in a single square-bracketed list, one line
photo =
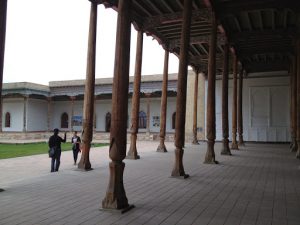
[(47, 41)]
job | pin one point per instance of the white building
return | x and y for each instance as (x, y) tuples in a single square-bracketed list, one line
[(33, 110)]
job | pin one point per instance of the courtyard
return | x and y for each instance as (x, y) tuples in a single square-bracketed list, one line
[(259, 184)]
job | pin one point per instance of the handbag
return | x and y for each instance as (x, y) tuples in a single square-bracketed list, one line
[(51, 152)]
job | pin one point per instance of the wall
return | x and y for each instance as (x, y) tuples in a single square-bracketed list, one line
[(266, 109), (37, 115), (16, 108)]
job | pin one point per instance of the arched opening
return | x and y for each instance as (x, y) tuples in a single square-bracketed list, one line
[(7, 119), (173, 120), (107, 122), (64, 120), (142, 119)]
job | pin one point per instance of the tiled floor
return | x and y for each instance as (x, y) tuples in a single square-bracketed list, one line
[(260, 184)]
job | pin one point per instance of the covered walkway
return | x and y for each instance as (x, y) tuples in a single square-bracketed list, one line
[(257, 185)]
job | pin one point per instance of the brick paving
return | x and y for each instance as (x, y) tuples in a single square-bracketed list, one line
[(257, 185)]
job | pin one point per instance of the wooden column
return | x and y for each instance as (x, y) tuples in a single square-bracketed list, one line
[(178, 169), (240, 109), (163, 105), (132, 153), (211, 98), (195, 139), (115, 194), (234, 144), (293, 86), (225, 150), (298, 98), (88, 103), (3, 10)]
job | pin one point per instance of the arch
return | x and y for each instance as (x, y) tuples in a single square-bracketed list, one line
[(142, 119), (173, 120), (64, 120), (107, 122), (7, 119)]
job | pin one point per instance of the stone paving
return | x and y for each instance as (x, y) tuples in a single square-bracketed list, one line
[(257, 185)]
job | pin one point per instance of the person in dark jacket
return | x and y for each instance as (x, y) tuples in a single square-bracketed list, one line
[(55, 142), (76, 146)]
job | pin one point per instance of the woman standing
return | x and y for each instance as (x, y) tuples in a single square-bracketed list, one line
[(76, 146)]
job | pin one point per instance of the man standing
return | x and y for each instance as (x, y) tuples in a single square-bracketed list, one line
[(55, 142)]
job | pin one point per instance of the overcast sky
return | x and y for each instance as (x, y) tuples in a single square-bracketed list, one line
[(47, 41)]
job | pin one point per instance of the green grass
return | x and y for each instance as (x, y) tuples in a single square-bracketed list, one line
[(18, 150)]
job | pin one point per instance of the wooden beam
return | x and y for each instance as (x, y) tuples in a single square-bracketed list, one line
[(155, 21)]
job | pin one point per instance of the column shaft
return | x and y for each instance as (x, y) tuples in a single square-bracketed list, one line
[(115, 194), (132, 152), (240, 109), (211, 98), (195, 139), (178, 169), (298, 98), (88, 103), (234, 144), (293, 84), (225, 150), (163, 106), (148, 113), (3, 10)]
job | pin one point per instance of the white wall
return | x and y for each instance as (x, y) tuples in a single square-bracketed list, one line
[(16, 108), (37, 115), (266, 109)]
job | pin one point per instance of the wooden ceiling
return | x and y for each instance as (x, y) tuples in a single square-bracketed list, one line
[(261, 33)]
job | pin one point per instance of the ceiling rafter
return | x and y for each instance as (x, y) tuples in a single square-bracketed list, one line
[(156, 21)]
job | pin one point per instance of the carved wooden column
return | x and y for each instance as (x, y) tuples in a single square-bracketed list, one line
[(178, 169), (234, 144), (195, 139), (211, 96), (3, 10), (115, 194), (49, 100), (293, 120), (163, 105), (88, 103), (240, 109), (225, 150), (298, 98), (132, 153)]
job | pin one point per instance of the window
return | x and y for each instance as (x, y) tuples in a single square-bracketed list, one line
[(107, 122), (142, 119), (173, 120), (7, 119), (64, 121)]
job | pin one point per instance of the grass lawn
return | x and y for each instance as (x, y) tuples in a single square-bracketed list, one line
[(18, 150)]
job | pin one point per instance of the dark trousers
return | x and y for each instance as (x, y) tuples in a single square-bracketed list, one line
[(55, 161), (75, 155)]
